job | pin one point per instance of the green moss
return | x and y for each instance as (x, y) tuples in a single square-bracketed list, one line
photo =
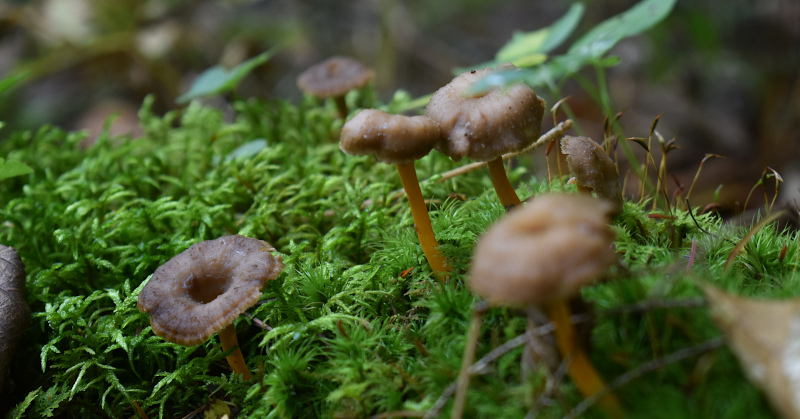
[(352, 332)]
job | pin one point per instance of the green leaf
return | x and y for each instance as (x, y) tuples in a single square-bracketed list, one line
[(218, 79), (589, 49), (13, 168), (526, 49), (8, 83), (247, 150), (633, 21)]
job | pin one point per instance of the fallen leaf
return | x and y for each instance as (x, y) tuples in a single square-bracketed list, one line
[(217, 409), (765, 336), (14, 312)]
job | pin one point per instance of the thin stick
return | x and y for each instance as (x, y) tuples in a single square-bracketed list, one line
[(555, 133), (643, 369), (479, 367), (466, 362)]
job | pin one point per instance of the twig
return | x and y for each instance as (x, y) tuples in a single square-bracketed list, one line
[(553, 134), (652, 305), (643, 369), (398, 414), (550, 388), (469, 356), (478, 368), (256, 321)]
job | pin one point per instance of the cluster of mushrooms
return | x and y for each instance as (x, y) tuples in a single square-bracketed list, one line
[(540, 254)]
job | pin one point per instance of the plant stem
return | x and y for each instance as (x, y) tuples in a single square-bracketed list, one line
[(466, 362), (497, 171), (408, 175), (580, 369), (228, 338), (341, 106)]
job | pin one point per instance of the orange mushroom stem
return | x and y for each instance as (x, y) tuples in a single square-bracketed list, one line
[(430, 246), (399, 140), (580, 367), (227, 337), (497, 171)]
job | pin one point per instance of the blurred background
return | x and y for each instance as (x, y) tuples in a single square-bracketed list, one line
[(723, 74)]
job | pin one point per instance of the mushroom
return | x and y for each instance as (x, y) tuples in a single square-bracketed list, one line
[(542, 254), (14, 311), (592, 169), (203, 289), (487, 125), (335, 77), (399, 140)]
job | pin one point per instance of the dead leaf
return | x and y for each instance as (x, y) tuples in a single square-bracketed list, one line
[(217, 409), (14, 312), (765, 336)]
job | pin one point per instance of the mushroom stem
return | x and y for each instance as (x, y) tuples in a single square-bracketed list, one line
[(580, 368), (497, 171), (408, 175), (228, 338), (341, 106)]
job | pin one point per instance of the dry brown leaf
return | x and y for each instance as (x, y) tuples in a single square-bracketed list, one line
[(765, 336), (14, 312)]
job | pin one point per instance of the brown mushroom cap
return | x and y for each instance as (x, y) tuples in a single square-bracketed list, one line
[(545, 251), (392, 138), (592, 168), (205, 287), (334, 77), (489, 125)]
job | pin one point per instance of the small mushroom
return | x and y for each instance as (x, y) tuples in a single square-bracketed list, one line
[(485, 126), (593, 169), (14, 311), (399, 140), (203, 289), (542, 254), (333, 78)]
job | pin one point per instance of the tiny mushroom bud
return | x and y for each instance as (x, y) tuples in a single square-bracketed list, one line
[(593, 169), (203, 289), (335, 77), (485, 126), (399, 140), (543, 254)]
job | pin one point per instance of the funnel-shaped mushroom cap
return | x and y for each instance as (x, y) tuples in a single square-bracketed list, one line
[(488, 125), (393, 139), (205, 287), (593, 168), (334, 77), (544, 251)]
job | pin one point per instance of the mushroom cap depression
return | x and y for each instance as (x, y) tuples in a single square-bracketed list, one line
[(334, 77), (206, 287), (545, 251), (593, 168), (488, 125), (391, 138)]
